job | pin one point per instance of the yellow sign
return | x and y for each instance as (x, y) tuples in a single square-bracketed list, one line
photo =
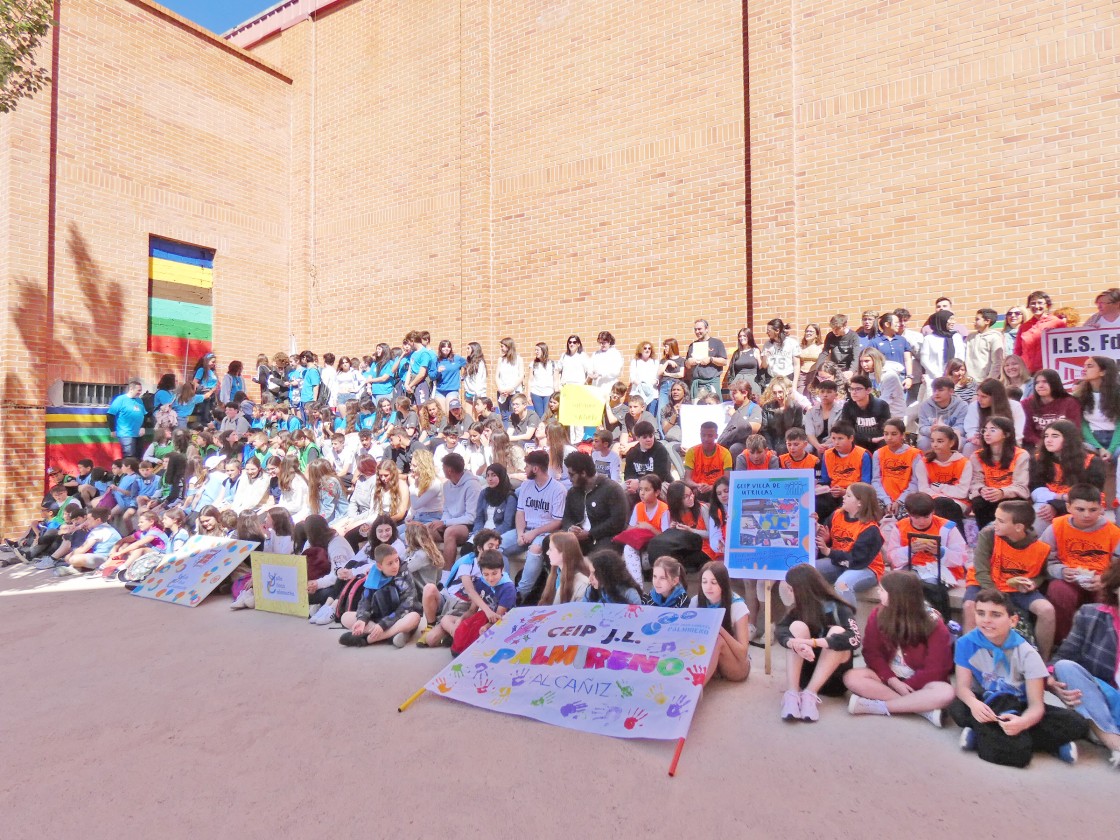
[(581, 405), (280, 583)]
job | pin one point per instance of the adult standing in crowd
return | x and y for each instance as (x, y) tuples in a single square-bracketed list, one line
[(126, 418), (705, 360), (1028, 343)]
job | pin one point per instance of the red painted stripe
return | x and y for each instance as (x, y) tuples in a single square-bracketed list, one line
[(178, 347)]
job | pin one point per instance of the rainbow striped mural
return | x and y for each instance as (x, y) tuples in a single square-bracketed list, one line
[(180, 298), (74, 433)]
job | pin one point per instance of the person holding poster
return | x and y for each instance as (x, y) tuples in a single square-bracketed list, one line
[(851, 546), (705, 360), (820, 635), (731, 659)]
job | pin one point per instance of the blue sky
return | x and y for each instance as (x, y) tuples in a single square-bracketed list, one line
[(218, 15)]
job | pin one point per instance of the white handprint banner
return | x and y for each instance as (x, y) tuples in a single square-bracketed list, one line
[(625, 671)]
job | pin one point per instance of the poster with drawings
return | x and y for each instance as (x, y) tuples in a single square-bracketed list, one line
[(770, 527), (188, 575)]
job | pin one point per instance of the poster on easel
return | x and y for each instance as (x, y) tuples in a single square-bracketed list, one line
[(770, 527)]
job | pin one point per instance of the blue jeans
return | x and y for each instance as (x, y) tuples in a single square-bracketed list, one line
[(534, 559), (1094, 705), (847, 581), (540, 404), (130, 447)]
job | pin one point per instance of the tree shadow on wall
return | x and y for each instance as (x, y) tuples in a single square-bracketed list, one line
[(91, 345)]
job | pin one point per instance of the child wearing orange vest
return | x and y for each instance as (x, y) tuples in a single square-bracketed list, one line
[(897, 469), (706, 462), (921, 521), (842, 465), (949, 474), (1082, 544), (797, 455), (649, 514), (851, 546), (1010, 557), (1000, 470), (756, 455)]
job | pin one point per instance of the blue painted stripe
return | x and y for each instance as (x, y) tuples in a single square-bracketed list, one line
[(178, 252), (73, 409)]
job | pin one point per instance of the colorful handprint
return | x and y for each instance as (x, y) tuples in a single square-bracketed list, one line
[(572, 709), (679, 705), (443, 685), (635, 719), (698, 673), (545, 698), (657, 694), (519, 677), (481, 684), (624, 689)]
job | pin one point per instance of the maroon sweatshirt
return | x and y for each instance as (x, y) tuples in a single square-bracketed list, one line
[(932, 661), (1039, 416)]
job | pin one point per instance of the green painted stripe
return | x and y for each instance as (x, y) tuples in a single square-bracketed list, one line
[(180, 329), (54, 437), (181, 292), (179, 311)]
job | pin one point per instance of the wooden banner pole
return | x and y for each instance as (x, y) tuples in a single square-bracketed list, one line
[(769, 629)]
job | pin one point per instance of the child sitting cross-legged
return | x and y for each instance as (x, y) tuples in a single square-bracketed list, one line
[(388, 608), (909, 655), (1000, 683), (498, 594)]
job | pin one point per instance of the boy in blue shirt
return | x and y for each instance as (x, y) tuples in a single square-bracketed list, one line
[(126, 490), (495, 594), (1000, 684)]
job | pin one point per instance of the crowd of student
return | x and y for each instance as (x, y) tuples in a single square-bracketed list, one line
[(411, 477)]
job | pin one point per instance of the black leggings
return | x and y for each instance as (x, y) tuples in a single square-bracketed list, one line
[(984, 511), (948, 509)]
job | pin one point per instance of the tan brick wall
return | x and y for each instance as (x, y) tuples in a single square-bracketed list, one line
[(906, 150), (163, 131), (522, 168)]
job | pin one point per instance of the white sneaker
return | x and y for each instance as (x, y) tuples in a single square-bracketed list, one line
[(46, 564), (401, 639), (324, 615), (67, 571), (810, 707), (1114, 759), (244, 601), (866, 706), (936, 717), (791, 706)]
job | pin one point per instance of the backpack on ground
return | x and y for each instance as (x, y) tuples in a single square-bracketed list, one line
[(349, 597)]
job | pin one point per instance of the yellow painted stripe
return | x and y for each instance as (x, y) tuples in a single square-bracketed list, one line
[(173, 272), (77, 419)]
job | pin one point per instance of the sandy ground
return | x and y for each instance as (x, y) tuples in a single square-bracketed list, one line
[(128, 718)]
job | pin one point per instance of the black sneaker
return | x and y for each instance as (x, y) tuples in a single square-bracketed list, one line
[(350, 640)]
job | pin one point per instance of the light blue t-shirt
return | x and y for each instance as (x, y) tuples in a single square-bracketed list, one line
[(131, 484), (106, 535), (206, 378), (130, 415), (447, 373), (421, 359), (307, 386), (162, 398)]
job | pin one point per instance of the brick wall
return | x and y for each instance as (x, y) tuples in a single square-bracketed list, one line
[(162, 130), (520, 168), (905, 150)]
